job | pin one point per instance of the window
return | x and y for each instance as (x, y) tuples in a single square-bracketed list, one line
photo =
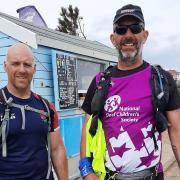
[(86, 71)]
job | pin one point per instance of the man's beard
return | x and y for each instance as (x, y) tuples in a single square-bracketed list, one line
[(130, 58)]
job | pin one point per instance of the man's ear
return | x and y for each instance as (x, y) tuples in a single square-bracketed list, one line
[(34, 68), (145, 36), (5, 66), (112, 38)]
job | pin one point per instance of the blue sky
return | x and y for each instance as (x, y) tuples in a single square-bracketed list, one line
[(162, 19)]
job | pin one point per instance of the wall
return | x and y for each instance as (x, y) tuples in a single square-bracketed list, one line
[(5, 42)]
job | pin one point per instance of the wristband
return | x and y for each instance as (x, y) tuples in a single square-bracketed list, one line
[(85, 166)]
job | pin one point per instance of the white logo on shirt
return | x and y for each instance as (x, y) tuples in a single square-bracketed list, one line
[(112, 103)]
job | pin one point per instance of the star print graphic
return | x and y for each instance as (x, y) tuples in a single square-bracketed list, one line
[(137, 144), (147, 160), (140, 146), (121, 150)]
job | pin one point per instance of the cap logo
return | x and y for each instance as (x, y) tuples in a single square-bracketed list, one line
[(127, 11)]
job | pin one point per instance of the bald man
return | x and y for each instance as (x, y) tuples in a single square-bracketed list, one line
[(20, 68), (25, 130)]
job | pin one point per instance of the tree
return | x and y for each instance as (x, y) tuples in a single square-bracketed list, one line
[(70, 21)]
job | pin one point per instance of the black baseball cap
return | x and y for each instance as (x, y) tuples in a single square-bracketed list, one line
[(129, 10)]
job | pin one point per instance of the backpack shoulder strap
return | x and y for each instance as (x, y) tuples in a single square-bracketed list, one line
[(160, 87), (47, 108), (4, 121), (3, 97), (50, 117), (101, 91), (160, 96), (99, 98)]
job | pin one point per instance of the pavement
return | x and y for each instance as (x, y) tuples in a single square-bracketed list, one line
[(167, 154), (173, 172), (171, 168)]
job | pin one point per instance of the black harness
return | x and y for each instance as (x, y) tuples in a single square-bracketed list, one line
[(99, 99), (160, 98)]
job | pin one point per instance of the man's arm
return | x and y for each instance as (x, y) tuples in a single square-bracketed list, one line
[(58, 156), (87, 109), (83, 137), (91, 176), (174, 132)]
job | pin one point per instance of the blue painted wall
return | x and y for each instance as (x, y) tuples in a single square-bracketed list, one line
[(43, 78), (70, 128), (5, 42), (43, 84)]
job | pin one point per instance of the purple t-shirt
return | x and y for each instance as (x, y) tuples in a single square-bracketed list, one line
[(128, 120)]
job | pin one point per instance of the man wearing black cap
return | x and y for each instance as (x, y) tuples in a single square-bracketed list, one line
[(137, 105)]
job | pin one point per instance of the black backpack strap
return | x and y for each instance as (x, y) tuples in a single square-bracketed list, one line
[(2, 97), (50, 117), (160, 96), (48, 110), (99, 98), (160, 87)]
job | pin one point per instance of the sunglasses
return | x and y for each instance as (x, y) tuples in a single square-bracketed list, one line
[(122, 29)]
